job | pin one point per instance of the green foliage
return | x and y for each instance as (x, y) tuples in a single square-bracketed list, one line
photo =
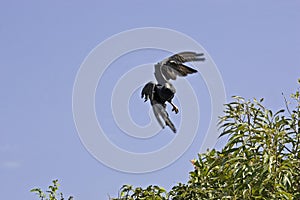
[(261, 159), (51, 193), (151, 192)]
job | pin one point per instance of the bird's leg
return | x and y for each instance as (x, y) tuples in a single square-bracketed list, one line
[(175, 108)]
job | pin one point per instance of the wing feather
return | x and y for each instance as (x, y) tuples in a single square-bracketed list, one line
[(187, 57), (171, 67), (148, 91)]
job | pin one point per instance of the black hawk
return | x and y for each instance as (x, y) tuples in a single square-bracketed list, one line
[(163, 91)]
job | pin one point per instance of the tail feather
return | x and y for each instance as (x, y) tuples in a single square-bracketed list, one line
[(161, 113)]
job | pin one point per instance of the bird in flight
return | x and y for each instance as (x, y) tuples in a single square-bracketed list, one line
[(163, 91)]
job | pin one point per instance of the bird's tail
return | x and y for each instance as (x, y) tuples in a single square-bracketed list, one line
[(161, 113)]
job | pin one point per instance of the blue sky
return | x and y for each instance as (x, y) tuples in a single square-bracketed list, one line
[(255, 46)]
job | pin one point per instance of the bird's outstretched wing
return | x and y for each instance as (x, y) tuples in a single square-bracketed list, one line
[(161, 114), (173, 66)]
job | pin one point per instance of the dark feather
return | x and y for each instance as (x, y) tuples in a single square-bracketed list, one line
[(181, 69), (187, 57), (173, 66), (148, 91)]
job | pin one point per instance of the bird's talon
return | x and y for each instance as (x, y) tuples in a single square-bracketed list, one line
[(175, 109)]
